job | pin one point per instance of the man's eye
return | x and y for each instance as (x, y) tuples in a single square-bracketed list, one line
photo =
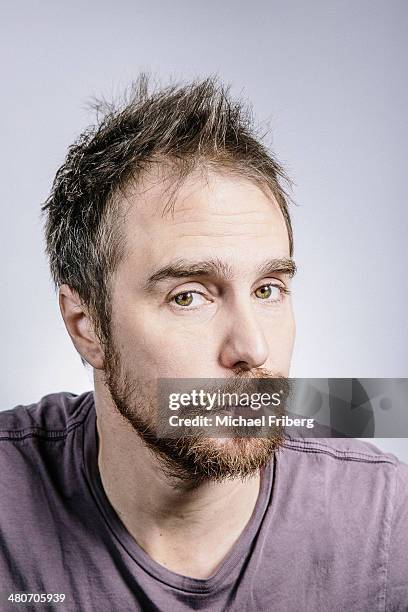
[(188, 298), (272, 293)]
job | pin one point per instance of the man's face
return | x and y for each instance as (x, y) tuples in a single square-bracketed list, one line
[(201, 292)]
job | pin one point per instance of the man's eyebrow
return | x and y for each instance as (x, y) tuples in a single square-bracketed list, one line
[(282, 265), (181, 268)]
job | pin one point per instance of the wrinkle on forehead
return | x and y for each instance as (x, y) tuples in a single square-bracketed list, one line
[(227, 217), (207, 213), (199, 192)]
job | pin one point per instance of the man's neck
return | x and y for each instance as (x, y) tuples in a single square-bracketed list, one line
[(188, 531)]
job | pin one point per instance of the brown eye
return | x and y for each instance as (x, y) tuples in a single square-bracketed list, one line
[(184, 299)]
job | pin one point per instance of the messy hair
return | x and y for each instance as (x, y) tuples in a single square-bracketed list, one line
[(188, 126)]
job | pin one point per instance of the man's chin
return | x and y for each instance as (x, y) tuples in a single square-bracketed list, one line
[(189, 460), (194, 461)]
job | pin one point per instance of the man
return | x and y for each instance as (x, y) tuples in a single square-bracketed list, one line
[(171, 245)]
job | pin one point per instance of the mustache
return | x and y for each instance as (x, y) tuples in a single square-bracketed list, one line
[(256, 380), (243, 380), (214, 392)]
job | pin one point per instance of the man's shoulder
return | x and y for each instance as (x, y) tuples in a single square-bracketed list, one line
[(348, 467), (39, 449), (350, 450), (43, 486), (348, 499), (52, 417)]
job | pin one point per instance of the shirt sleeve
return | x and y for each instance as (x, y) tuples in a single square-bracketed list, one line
[(397, 575)]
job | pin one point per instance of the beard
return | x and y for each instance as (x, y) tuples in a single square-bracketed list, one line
[(189, 460)]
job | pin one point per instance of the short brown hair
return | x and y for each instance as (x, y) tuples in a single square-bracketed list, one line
[(189, 125)]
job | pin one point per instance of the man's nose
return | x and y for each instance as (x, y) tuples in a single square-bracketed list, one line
[(244, 345)]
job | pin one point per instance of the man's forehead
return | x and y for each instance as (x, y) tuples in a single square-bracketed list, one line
[(224, 202), (225, 218)]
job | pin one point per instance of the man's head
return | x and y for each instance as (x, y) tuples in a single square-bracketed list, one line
[(169, 236)]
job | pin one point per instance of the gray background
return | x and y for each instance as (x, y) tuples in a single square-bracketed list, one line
[(329, 76)]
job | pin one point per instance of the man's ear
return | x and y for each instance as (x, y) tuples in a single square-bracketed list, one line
[(80, 327)]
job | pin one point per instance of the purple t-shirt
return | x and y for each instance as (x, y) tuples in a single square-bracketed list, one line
[(329, 531)]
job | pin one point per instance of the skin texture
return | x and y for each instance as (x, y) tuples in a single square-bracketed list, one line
[(223, 326)]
